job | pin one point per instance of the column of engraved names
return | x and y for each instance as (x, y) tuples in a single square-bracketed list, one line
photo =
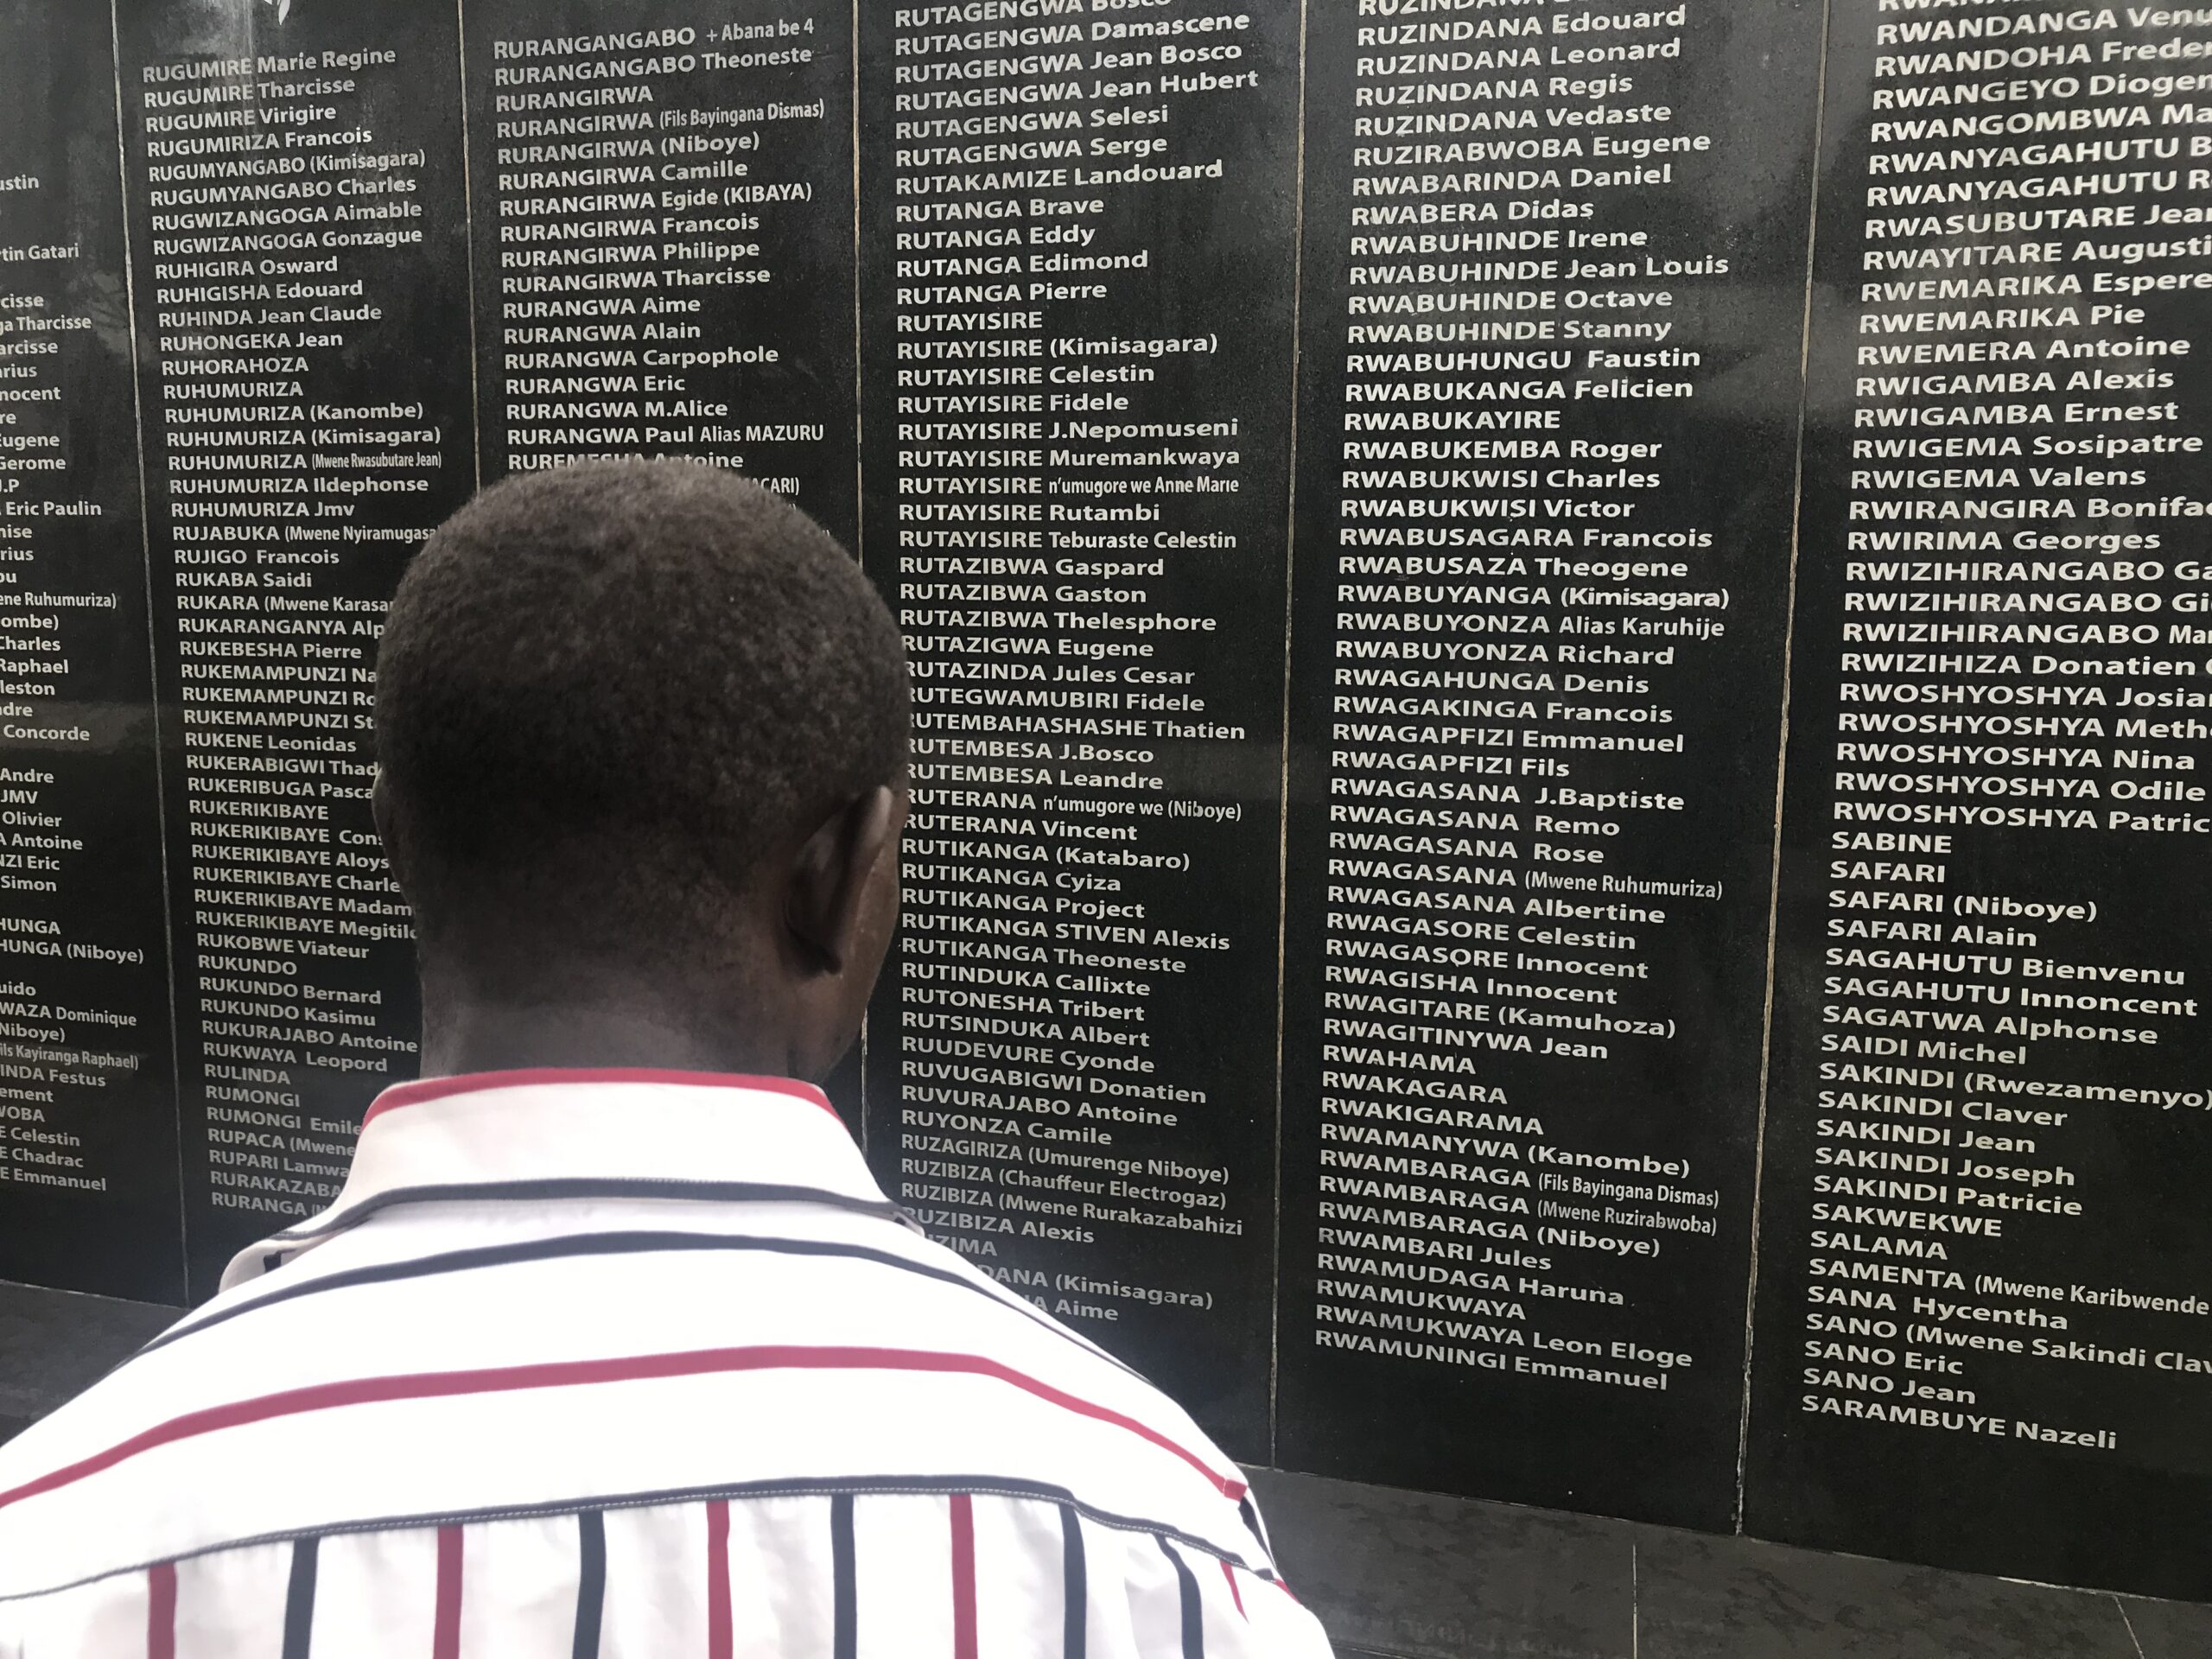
[(87, 1137), (1544, 486), (2053, 505), (1549, 709), (2005, 770), (665, 244), (296, 216), (1079, 300)]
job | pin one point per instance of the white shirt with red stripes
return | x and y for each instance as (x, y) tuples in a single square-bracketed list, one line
[(629, 1363)]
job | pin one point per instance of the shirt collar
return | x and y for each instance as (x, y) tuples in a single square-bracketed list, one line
[(548, 1134)]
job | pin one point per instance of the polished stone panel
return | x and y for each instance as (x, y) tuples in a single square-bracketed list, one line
[(1598, 760), (2001, 1377)]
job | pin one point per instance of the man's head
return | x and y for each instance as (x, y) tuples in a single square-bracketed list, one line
[(642, 734)]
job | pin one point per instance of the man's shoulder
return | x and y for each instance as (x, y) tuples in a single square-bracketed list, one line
[(308, 1401)]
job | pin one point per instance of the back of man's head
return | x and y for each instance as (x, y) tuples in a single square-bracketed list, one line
[(615, 699)]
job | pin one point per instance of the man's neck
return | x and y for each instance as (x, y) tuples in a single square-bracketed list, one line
[(468, 1036)]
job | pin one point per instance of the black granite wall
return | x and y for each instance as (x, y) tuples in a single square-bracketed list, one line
[(1556, 853)]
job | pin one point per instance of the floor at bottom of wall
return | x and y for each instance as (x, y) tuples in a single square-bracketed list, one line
[(54, 1343), (1413, 1575)]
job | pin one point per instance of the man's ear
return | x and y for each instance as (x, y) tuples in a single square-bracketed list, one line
[(380, 809), (824, 902), (386, 816)]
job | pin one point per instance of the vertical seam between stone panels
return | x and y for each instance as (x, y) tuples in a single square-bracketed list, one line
[(1782, 761), (860, 429), (1282, 803), (153, 664), (468, 243)]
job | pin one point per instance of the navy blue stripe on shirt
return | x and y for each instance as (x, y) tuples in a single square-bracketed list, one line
[(1194, 1623), (1075, 1630), (619, 1243), (299, 1599), (591, 1582), (1249, 1513), (844, 1587)]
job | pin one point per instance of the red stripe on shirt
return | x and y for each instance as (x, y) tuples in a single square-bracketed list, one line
[(471, 1083), (1235, 1594), (445, 1635), (964, 1576), (437, 1385), (719, 1640), (161, 1612)]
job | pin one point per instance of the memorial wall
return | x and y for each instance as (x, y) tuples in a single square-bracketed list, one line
[(1561, 651)]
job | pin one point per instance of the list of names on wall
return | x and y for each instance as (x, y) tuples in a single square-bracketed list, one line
[(87, 1126), (297, 224), (1987, 1274), (1549, 395), (1362, 484), (663, 239), (1075, 258)]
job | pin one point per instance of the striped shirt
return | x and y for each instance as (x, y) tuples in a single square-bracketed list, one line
[(625, 1363)]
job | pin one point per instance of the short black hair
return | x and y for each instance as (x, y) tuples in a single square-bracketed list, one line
[(614, 687)]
